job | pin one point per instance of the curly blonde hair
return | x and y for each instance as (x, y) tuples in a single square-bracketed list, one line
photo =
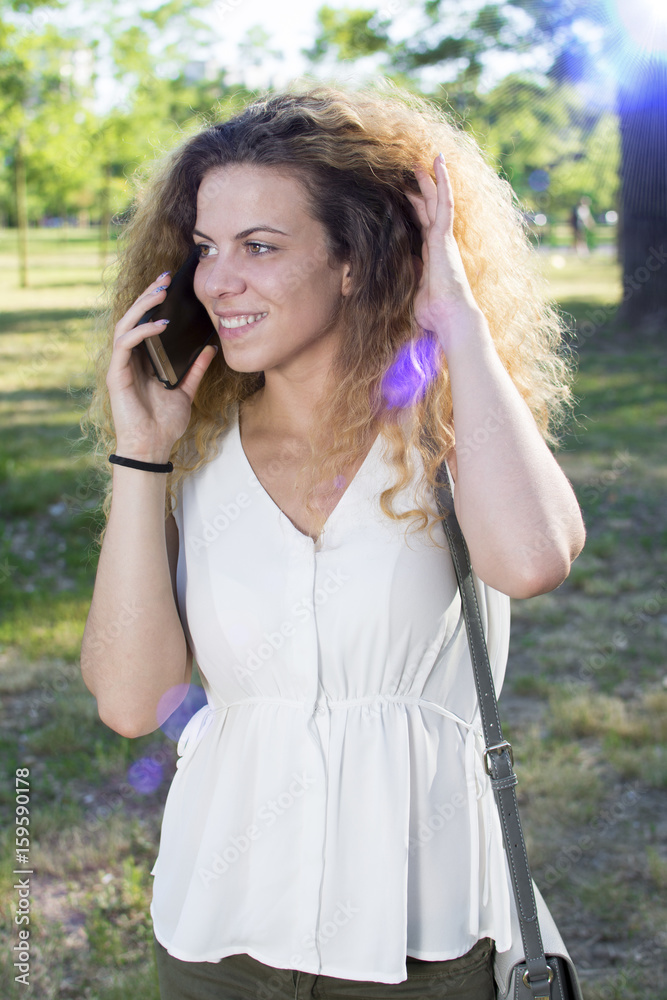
[(355, 153)]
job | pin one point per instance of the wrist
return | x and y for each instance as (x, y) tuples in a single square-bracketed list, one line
[(467, 331), (155, 456), (141, 466)]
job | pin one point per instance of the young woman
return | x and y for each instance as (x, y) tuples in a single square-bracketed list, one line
[(330, 830)]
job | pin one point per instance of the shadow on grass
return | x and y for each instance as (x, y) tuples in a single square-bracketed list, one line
[(93, 282), (619, 388), (33, 493), (36, 440), (34, 320), (53, 395)]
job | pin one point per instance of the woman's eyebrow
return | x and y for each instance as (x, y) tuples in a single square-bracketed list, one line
[(245, 233), (260, 229)]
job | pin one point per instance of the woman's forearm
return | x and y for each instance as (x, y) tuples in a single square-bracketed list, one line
[(517, 510), (134, 649)]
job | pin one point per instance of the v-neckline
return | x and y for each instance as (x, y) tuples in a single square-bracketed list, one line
[(273, 503)]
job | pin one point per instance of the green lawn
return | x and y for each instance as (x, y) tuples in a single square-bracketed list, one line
[(585, 698)]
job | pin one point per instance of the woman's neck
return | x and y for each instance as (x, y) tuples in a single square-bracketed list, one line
[(285, 407)]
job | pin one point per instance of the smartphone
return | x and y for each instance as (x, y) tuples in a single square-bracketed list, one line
[(174, 351)]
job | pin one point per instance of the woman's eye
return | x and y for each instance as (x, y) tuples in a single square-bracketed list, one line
[(257, 249), (204, 250)]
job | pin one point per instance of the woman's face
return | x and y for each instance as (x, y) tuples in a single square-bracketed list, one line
[(264, 273)]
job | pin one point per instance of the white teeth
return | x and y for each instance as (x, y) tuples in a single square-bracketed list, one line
[(234, 321)]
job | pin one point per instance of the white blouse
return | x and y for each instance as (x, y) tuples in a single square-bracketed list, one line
[(330, 810)]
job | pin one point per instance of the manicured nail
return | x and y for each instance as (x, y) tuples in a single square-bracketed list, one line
[(441, 157), (163, 275), (161, 322), (161, 288)]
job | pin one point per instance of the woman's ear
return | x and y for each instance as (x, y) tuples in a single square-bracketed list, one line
[(346, 284)]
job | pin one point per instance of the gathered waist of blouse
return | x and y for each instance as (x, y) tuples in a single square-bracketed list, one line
[(196, 727)]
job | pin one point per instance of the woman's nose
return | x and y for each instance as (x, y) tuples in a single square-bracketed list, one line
[(223, 277)]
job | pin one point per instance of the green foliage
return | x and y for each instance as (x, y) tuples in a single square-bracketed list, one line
[(117, 925), (80, 162), (527, 122), (526, 126), (83, 164), (27, 6), (350, 32), (166, 13)]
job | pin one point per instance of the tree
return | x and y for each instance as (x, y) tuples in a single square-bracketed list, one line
[(351, 32), (629, 48), (460, 42), (544, 139), (16, 97), (60, 156), (546, 143), (642, 105)]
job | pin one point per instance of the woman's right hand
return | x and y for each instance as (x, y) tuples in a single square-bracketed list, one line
[(148, 417)]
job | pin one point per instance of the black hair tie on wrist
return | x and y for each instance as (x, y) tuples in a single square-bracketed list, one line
[(133, 463)]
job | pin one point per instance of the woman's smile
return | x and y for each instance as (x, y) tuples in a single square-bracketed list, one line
[(239, 322)]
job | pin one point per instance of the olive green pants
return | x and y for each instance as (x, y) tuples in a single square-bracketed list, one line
[(240, 977)]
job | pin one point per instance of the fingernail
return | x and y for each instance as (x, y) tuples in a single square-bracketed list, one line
[(161, 288), (441, 157), (161, 322), (163, 275)]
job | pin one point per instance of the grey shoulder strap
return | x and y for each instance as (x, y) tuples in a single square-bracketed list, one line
[(498, 757)]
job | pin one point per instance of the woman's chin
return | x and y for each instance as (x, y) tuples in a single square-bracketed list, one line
[(237, 363)]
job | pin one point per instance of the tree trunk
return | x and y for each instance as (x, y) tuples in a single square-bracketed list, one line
[(642, 107), (105, 214), (21, 212)]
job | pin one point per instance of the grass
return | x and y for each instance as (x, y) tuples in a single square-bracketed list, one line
[(93, 834), (584, 699), (587, 664)]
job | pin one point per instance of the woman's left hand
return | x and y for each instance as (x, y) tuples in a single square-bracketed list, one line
[(444, 303)]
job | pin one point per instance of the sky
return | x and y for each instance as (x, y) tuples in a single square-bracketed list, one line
[(291, 28)]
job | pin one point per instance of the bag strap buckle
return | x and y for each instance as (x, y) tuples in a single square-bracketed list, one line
[(527, 982), (497, 748)]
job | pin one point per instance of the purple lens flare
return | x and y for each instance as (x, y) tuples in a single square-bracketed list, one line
[(177, 707), (416, 365), (145, 775)]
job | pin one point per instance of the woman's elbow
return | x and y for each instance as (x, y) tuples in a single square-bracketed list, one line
[(116, 717), (125, 723), (540, 573), (540, 580)]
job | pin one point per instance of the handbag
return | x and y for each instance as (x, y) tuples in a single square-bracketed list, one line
[(537, 966)]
